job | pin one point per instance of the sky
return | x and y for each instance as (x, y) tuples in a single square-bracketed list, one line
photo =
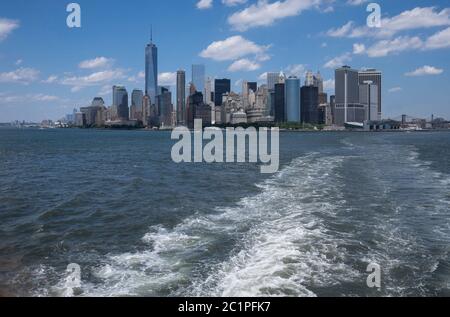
[(47, 68)]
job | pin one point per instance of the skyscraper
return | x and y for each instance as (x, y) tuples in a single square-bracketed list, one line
[(181, 97), (375, 77), (347, 107), (310, 104), (198, 77), (207, 94), (292, 99), (151, 71), (221, 87), (272, 79), (137, 97), (368, 96), (120, 102), (280, 115), (252, 86)]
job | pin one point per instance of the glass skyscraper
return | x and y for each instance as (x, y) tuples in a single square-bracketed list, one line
[(292, 99), (221, 87), (120, 102), (181, 97), (198, 77), (151, 71)]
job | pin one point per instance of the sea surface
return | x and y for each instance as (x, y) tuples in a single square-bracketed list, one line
[(137, 224)]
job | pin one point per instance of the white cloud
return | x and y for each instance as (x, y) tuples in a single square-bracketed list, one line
[(233, 48), (417, 18), (265, 13), (438, 40), (232, 3), (204, 4), (329, 85), (19, 62), (338, 61), (395, 46), (356, 2), (263, 77), (98, 62), (51, 79), (20, 76), (395, 89), (94, 79), (359, 49), (244, 65), (7, 26), (167, 79), (424, 71), (295, 70)]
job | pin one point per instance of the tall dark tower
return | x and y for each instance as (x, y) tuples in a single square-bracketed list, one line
[(151, 69)]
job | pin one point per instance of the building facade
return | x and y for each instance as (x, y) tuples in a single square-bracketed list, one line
[(292, 99)]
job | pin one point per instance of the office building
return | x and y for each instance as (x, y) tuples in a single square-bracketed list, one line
[(279, 111), (181, 97), (120, 103), (292, 99), (151, 71), (368, 96), (198, 77), (310, 104), (221, 87), (375, 77), (137, 97), (347, 104)]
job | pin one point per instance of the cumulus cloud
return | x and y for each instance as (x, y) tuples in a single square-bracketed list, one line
[(204, 4), (439, 40), (395, 89), (394, 46), (7, 26), (94, 79), (417, 18), (338, 61), (51, 79), (265, 13), (167, 79), (244, 65), (20, 76), (98, 62), (232, 3), (234, 48), (359, 49), (425, 71)]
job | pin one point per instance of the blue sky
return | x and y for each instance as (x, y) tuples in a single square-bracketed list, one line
[(47, 69)]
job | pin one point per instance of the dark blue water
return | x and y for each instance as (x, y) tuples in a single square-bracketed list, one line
[(140, 225)]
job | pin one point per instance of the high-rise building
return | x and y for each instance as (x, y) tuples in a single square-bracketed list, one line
[(165, 108), (368, 96), (253, 86), (375, 77), (198, 77), (310, 104), (221, 87), (208, 91), (137, 97), (348, 107), (120, 102), (151, 71), (292, 99), (181, 97), (272, 79), (280, 114), (145, 110)]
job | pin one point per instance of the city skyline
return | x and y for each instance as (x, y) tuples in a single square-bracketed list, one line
[(48, 84)]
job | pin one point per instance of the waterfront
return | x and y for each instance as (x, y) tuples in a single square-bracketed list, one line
[(140, 225)]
